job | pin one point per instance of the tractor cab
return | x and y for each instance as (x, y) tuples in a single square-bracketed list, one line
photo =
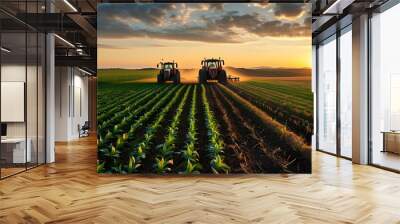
[(168, 72), (167, 65), (212, 69), (213, 63)]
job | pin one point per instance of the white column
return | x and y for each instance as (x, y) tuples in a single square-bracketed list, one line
[(50, 92), (50, 99), (360, 90)]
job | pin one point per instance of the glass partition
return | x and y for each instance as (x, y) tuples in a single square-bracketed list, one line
[(346, 92), (327, 95), (14, 153), (31, 100), (41, 96), (385, 89), (22, 77)]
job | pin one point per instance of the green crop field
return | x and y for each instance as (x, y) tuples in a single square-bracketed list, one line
[(249, 127), (121, 76), (289, 102)]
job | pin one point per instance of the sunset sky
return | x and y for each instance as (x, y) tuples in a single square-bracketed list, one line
[(245, 35)]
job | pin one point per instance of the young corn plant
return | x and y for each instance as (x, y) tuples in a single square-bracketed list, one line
[(114, 109), (114, 117), (120, 122), (216, 144), (189, 154), (116, 101), (153, 128), (162, 166), (121, 142), (192, 168), (132, 166), (118, 169), (218, 166), (111, 158), (151, 110), (166, 150), (100, 167), (100, 142), (112, 153)]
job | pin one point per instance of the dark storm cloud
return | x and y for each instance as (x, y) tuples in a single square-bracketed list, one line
[(217, 6), (289, 9), (218, 28), (253, 23), (152, 14), (199, 34), (127, 46), (208, 6), (277, 29)]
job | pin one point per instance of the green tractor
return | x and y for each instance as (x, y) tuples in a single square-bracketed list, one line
[(212, 70), (168, 72)]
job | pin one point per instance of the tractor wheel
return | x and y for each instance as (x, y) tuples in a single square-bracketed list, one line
[(177, 78), (222, 77), (160, 78), (202, 76)]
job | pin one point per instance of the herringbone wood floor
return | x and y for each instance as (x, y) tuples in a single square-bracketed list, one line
[(70, 191)]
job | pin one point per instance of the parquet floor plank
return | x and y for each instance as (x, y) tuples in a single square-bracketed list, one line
[(70, 191)]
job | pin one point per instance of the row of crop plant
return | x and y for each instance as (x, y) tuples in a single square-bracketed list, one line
[(121, 122), (190, 154), (164, 159), (119, 108), (175, 129), (298, 119), (123, 149), (215, 145)]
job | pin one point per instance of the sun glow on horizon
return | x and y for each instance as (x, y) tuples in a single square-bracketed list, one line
[(243, 35), (146, 53)]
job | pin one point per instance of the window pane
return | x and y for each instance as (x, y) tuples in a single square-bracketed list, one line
[(327, 96), (14, 152), (346, 94), (31, 98), (41, 98), (385, 84)]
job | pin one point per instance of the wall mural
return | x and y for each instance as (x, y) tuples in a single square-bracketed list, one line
[(204, 88)]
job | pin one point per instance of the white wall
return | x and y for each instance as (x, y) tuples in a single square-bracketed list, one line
[(80, 112), (13, 101), (62, 82), (71, 94), (14, 73), (33, 126)]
